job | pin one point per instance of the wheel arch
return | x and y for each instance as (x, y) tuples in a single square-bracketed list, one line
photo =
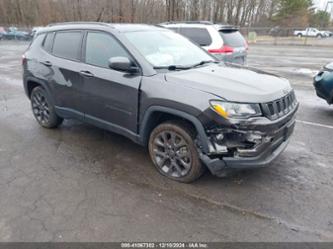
[(158, 114), (30, 83)]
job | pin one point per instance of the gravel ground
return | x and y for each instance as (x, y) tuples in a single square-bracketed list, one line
[(80, 183)]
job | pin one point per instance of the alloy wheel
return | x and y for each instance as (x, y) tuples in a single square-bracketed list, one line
[(172, 154), (40, 108)]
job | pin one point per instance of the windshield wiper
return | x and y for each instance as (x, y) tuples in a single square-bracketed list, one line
[(180, 67), (174, 67), (201, 63)]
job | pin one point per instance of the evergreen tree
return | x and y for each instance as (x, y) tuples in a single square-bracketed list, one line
[(320, 19), (294, 13)]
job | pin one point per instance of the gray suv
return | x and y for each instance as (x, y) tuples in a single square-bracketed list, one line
[(162, 91)]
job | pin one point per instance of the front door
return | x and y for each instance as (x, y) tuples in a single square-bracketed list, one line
[(111, 97)]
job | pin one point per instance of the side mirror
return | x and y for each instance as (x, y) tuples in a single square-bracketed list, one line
[(122, 64)]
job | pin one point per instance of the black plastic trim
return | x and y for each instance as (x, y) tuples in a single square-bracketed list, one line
[(197, 124)]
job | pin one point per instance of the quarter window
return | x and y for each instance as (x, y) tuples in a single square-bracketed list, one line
[(68, 45), (100, 47), (200, 36), (48, 42)]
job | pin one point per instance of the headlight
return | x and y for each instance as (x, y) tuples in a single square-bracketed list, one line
[(235, 110)]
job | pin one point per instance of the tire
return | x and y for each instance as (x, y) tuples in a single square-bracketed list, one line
[(174, 153), (43, 109), (319, 36), (300, 35)]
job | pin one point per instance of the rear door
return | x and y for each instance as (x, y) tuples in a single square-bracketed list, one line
[(65, 70), (110, 97)]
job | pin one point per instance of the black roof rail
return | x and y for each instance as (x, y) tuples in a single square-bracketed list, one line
[(188, 22), (78, 23)]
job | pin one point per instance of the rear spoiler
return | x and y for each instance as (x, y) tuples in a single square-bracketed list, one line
[(228, 27)]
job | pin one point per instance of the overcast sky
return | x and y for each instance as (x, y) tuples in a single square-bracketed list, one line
[(321, 4)]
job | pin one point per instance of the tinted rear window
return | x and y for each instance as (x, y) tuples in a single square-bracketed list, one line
[(232, 38), (48, 42), (198, 35), (68, 45)]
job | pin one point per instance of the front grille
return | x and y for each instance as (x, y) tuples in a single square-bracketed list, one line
[(281, 107)]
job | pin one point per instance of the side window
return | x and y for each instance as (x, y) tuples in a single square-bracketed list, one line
[(200, 36), (48, 42), (100, 47), (68, 45)]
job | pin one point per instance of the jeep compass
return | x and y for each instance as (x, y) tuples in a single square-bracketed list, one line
[(163, 92)]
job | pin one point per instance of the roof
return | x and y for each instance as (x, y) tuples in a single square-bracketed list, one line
[(219, 26), (135, 27), (121, 27), (188, 22)]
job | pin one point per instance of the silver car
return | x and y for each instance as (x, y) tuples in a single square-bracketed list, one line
[(225, 42)]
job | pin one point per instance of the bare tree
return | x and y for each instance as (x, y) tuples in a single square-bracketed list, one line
[(42, 12)]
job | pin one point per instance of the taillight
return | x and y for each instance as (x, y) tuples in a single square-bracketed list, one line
[(223, 50)]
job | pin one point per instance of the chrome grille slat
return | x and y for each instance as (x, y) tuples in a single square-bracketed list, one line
[(271, 109), (280, 107), (275, 108)]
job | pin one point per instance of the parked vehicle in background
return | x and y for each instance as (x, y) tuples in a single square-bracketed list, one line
[(2, 32), (223, 41), (14, 34), (323, 83), (311, 32), (162, 91), (275, 31)]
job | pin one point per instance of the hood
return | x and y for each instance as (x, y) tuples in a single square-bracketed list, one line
[(233, 83)]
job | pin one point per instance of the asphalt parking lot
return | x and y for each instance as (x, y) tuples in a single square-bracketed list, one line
[(80, 183)]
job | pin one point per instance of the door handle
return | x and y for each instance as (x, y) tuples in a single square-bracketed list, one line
[(86, 74), (47, 63)]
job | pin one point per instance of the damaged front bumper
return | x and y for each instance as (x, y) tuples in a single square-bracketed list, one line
[(253, 143)]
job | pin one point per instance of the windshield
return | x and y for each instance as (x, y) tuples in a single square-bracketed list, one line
[(166, 48), (232, 38)]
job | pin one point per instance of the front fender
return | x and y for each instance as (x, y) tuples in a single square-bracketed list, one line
[(144, 127)]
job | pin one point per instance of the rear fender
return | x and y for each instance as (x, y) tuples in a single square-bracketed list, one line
[(39, 82)]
